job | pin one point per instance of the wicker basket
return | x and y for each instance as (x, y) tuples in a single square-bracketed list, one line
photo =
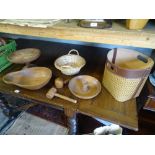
[(70, 64), (126, 72), (136, 24)]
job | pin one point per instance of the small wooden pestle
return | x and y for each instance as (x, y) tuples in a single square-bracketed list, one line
[(59, 82)]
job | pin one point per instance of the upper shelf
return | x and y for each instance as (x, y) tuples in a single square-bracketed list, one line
[(117, 35)]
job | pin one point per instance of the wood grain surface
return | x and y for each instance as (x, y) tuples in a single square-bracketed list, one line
[(103, 106), (118, 34), (37, 95)]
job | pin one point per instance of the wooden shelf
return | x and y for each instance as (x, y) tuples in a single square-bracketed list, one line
[(117, 35)]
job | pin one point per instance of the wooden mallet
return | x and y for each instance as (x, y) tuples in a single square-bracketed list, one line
[(53, 92)]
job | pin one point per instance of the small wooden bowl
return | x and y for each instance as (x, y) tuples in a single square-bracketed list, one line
[(84, 86)]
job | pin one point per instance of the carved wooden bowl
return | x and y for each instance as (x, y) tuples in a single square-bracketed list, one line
[(24, 55), (84, 86), (30, 78)]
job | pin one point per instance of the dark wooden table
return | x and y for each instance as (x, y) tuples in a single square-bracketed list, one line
[(103, 106), (39, 97)]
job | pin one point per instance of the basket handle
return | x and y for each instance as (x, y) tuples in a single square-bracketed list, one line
[(69, 53), (111, 66), (127, 72), (114, 55), (143, 59)]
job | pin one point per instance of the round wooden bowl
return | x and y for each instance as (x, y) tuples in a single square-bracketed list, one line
[(24, 56), (84, 86), (30, 78)]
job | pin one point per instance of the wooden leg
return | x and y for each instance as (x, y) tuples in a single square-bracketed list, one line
[(71, 121), (72, 124)]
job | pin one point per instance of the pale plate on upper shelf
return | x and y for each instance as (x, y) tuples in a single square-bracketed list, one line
[(84, 86)]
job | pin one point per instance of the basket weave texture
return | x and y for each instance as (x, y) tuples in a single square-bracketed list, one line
[(70, 64), (124, 88), (136, 24)]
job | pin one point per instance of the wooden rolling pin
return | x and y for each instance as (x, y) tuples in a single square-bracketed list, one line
[(52, 92)]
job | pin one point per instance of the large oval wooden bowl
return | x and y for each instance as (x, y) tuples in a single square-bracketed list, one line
[(30, 78), (24, 55)]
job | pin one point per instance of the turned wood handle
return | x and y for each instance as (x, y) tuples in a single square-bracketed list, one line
[(65, 98)]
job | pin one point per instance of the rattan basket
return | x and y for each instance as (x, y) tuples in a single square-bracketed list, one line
[(126, 72), (136, 24), (70, 64)]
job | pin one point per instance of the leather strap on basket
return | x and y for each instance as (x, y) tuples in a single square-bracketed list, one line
[(127, 73), (139, 85), (114, 55)]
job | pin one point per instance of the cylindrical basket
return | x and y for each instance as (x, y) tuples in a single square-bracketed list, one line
[(136, 24), (126, 72)]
